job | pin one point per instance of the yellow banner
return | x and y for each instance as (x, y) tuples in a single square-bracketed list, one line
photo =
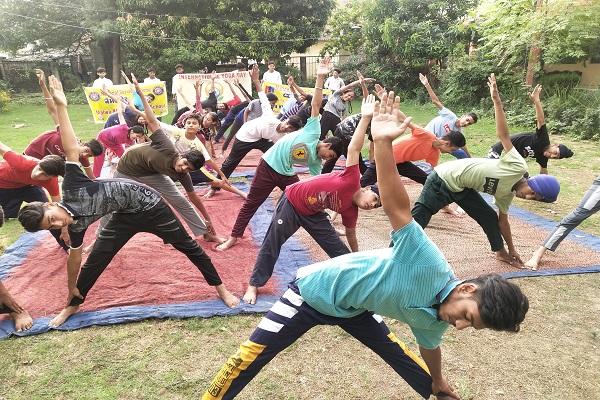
[(284, 93), (223, 81), (103, 106)]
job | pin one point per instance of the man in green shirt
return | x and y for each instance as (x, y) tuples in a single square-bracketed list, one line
[(411, 282), (460, 181)]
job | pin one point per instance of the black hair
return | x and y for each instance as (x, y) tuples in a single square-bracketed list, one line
[(215, 117), (336, 144), (272, 97), (100, 70), (31, 216), (240, 66), (95, 147), (179, 66), (456, 138), (295, 121), (151, 96), (194, 158), (151, 69), (502, 304), (474, 116), (52, 165), (271, 62), (339, 71), (139, 129), (195, 116), (308, 98)]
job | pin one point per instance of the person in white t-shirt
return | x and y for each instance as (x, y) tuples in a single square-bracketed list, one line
[(334, 82), (271, 75), (151, 78), (181, 101), (102, 80)]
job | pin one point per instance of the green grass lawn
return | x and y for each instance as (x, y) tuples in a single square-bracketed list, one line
[(555, 356)]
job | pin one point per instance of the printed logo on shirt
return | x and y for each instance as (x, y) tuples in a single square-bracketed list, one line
[(491, 185), (447, 128), (300, 153), (528, 152)]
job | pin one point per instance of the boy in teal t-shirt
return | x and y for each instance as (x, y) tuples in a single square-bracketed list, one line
[(411, 282), (276, 168), (461, 181)]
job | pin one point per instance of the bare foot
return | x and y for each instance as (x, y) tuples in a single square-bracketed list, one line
[(250, 295), (228, 298), (209, 194), (227, 244), (63, 316), (22, 320), (535, 259), (211, 237)]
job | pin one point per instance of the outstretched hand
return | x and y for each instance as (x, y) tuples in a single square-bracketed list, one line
[(386, 121), (368, 106), (254, 73), (41, 76), (197, 84), (325, 66), (213, 75), (379, 90), (56, 90), (493, 88), (535, 94), (423, 79), (290, 80)]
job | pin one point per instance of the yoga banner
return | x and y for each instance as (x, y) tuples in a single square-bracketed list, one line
[(284, 93), (223, 86), (102, 106)]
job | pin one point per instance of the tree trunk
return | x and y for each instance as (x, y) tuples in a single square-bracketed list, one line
[(116, 59), (534, 53)]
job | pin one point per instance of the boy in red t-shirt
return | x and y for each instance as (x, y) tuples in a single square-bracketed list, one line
[(23, 179), (303, 204)]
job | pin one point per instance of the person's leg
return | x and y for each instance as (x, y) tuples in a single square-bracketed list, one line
[(589, 205), (283, 225), (371, 331), (477, 208), (412, 172), (169, 191), (110, 240), (369, 177), (321, 230), (288, 319), (328, 123), (329, 165), (362, 165), (178, 114), (236, 155), (434, 196), (265, 180), (225, 124)]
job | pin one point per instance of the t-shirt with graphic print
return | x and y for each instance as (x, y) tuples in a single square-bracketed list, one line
[(89, 200), (495, 177), (296, 148), (332, 191), (528, 145), (345, 129), (443, 124)]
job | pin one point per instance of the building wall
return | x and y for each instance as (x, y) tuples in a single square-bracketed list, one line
[(590, 73)]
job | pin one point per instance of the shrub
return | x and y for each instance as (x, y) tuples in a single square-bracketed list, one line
[(4, 99)]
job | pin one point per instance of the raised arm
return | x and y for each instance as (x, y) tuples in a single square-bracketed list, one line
[(356, 83), (323, 70), (153, 123), (539, 110), (363, 84), (501, 124), (358, 137), (50, 106), (385, 127), (434, 99), (297, 88), (67, 135), (242, 89), (198, 87)]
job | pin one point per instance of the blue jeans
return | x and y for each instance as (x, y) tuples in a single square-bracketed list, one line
[(459, 154)]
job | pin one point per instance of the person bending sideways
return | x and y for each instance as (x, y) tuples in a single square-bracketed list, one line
[(276, 165), (447, 121), (131, 207), (303, 204), (23, 179), (411, 282), (588, 206), (536, 145), (260, 133), (158, 163), (460, 181)]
